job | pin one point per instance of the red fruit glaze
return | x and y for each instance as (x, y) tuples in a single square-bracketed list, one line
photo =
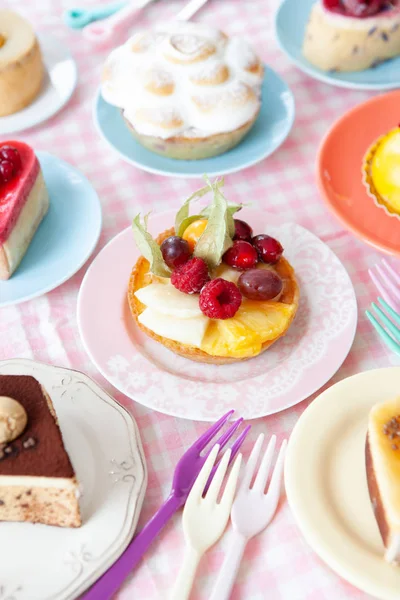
[(355, 8), (191, 276), (268, 248), (220, 299), (243, 231), (241, 255), (11, 154), (6, 171), (15, 192)]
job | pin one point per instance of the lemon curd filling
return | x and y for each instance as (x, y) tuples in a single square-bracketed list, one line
[(382, 171)]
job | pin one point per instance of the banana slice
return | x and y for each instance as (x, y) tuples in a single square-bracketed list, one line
[(21, 65)]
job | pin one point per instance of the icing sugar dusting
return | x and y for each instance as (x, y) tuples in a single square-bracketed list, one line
[(188, 44)]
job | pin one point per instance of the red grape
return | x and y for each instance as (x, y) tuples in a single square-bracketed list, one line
[(175, 251), (260, 284)]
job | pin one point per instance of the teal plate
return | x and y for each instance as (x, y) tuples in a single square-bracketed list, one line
[(290, 23), (269, 131), (65, 238)]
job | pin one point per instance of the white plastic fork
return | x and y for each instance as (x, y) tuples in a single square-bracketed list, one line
[(204, 519), (252, 510)]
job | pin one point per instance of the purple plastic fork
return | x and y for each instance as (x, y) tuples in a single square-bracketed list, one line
[(387, 282), (185, 475)]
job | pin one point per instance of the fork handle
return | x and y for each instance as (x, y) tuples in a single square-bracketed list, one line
[(111, 581), (227, 575), (184, 582)]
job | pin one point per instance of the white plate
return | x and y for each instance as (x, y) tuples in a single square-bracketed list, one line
[(294, 368), (326, 482), (60, 82), (38, 562)]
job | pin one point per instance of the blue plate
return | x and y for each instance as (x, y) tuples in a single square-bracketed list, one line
[(65, 238), (268, 133), (290, 24)]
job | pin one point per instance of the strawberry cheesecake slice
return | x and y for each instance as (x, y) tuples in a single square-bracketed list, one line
[(23, 203), (352, 35)]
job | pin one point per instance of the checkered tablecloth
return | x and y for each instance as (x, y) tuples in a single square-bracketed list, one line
[(277, 564)]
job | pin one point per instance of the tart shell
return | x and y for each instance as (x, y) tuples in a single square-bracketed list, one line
[(368, 181), (141, 277)]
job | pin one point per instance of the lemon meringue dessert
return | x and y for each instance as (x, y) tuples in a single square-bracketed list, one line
[(208, 289), (186, 90), (381, 172)]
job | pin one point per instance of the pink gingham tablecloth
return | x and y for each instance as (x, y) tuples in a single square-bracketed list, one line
[(277, 564)]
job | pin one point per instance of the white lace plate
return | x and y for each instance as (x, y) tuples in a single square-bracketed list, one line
[(38, 562), (290, 371)]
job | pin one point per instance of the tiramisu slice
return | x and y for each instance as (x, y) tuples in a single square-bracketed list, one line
[(37, 480), (383, 473), (23, 203)]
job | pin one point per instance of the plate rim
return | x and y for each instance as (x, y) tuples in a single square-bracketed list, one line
[(319, 172), (96, 238), (314, 73), (204, 418), (321, 547), (35, 122), (290, 121), (71, 591)]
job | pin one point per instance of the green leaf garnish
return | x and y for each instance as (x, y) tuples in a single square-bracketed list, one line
[(183, 212), (217, 236), (149, 248)]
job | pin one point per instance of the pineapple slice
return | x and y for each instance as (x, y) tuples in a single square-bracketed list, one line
[(243, 335), (269, 319)]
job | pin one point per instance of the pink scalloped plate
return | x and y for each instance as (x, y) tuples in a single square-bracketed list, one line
[(291, 370)]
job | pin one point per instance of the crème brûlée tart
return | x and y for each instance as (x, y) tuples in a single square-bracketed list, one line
[(381, 172), (209, 290), (186, 90), (352, 35), (21, 66), (383, 473)]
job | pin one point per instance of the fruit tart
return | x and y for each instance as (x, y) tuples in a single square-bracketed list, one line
[(210, 290), (23, 203), (186, 90), (382, 455), (352, 35), (381, 172)]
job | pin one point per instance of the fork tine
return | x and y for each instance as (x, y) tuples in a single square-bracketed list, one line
[(203, 440), (225, 437), (198, 486), (395, 276), (390, 286), (380, 287), (274, 490), (252, 462), (265, 467), (230, 488), (234, 450), (389, 341), (386, 321), (395, 315), (239, 441), (212, 494)]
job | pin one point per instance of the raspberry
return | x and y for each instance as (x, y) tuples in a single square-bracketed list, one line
[(220, 299), (191, 276)]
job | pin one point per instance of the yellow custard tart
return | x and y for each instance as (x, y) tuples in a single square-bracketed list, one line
[(381, 172), (209, 290)]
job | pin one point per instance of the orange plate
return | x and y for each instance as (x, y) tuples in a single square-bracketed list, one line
[(339, 171)]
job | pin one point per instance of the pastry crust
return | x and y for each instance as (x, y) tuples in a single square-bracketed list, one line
[(140, 277), (192, 148)]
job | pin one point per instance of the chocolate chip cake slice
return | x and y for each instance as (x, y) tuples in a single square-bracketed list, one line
[(37, 480)]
